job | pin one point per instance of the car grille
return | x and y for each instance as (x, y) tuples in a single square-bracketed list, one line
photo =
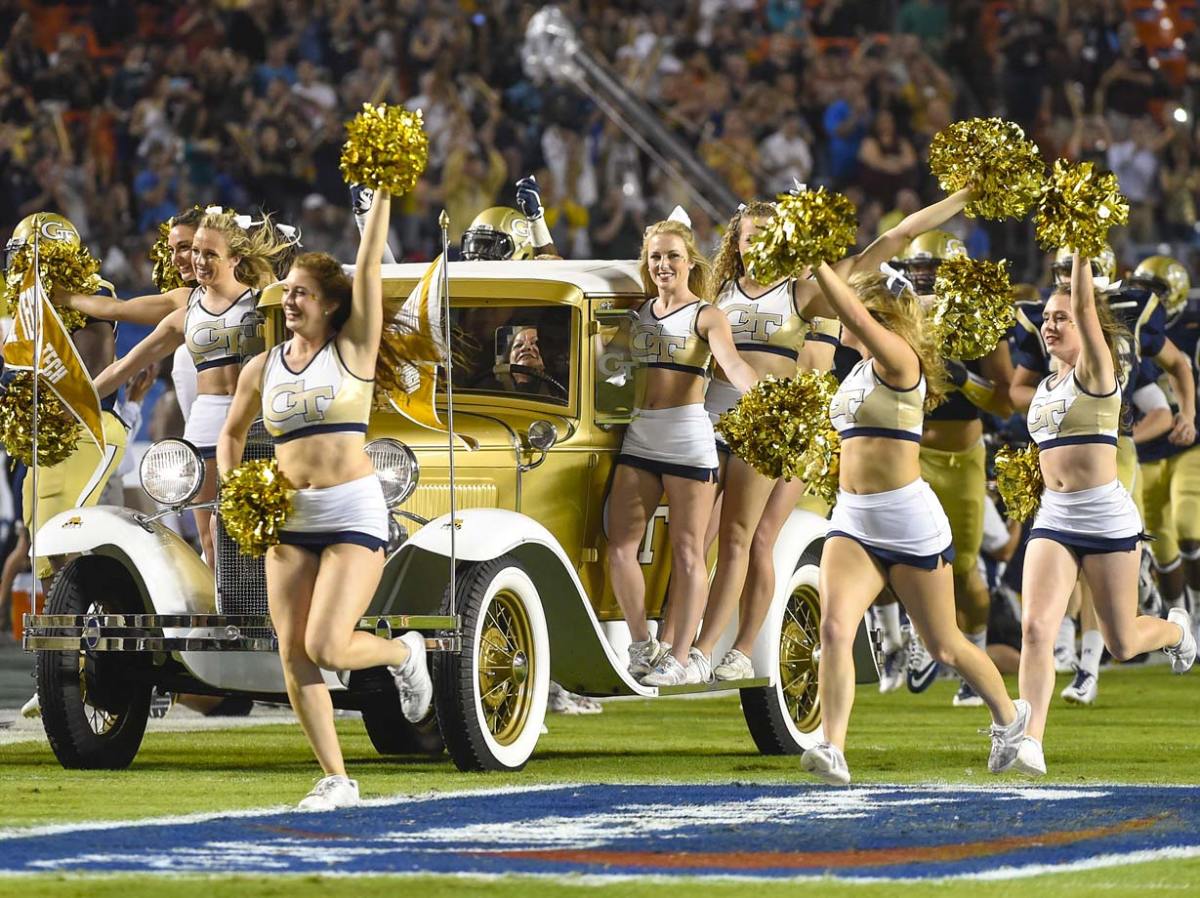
[(431, 500), (242, 579)]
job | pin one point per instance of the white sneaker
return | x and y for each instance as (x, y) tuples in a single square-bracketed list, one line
[(331, 793), (966, 697), (1083, 688), (1183, 654), (699, 668), (560, 701), (1006, 740), (895, 665), (412, 679), (734, 666), (668, 673), (826, 762), (1030, 758), (1065, 659), (921, 670), (32, 708), (642, 657)]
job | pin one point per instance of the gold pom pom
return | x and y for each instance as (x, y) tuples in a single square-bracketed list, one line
[(63, 267), (821, 464), (781, 427), (165, 274), (974, 310), (1076, 208), (256, 500), (386, 149), (1019, 481), (58, 429), (992, 156), (808, 228)]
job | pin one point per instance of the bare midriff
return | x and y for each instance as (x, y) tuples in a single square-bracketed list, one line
[(878, 464), (1069, 469), (323, 460)]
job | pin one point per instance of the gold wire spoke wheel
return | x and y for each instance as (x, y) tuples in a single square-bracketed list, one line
[(101, 721), (798, 643), (505, 676)]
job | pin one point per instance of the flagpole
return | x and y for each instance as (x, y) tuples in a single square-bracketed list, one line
[(444, 223), (37, 372)]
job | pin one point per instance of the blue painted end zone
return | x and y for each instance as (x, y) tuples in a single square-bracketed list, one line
[(720, 830)]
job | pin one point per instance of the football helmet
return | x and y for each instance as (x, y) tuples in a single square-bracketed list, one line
[(1166, 277), (1103, 265), (498, 233), (921, 258)]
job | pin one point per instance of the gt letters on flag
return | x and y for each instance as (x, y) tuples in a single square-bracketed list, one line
[(56, 360)]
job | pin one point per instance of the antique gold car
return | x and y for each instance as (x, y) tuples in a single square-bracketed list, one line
[(541, 393)]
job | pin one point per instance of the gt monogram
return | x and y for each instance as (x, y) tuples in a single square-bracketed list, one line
[(651, 345), (745, 318), (287, 401), (846, 404), (1047, 416)]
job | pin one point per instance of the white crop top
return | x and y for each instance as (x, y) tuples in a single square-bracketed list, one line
[(865, 406), (222, 339), (1065, 414), (323, 397)]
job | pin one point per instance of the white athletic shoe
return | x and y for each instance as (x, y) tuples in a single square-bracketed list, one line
[(734, 666), (1083, 688), (699, 668), (412, 679), (1006, 740), (669, 672), (1183, 654), (32, 708), (331, 793), (895, 665), (1030, 758), (1065, 659), (560, 701), (966, 697), (922, 670), (642, 657), (826, 762)]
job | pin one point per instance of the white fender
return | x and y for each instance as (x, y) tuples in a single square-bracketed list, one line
[(800, 531), (173, 579), (581, 658)]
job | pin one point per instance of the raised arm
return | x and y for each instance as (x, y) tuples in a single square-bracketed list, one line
[(359, 338), (1094, 367), (895, 239), (1178, 369), (247, 403), (147, 310), (163, 341), (713, 326), (895, 361)]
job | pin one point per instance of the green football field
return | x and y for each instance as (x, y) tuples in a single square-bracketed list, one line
[(1146, 729)]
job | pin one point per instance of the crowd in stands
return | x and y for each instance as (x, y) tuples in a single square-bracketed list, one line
[(119, 113)]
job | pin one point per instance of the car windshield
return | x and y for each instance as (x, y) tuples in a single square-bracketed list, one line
[(518, 351)]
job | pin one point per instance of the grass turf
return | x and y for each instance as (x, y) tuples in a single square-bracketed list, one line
[(1141, 732)]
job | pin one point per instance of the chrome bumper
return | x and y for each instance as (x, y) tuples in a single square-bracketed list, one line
[(202, 632)]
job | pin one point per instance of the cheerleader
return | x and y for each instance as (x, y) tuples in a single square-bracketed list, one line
[(1087, 521), (669, 446), (322, 576), (218, 322), (770, 324), (769, 329), (887, 527)]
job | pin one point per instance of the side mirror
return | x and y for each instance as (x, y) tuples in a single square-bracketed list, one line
[(542, 435)]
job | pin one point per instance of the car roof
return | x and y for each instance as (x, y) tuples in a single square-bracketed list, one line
[(596, 276)]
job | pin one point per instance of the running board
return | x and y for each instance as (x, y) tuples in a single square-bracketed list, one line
[(715, 686)]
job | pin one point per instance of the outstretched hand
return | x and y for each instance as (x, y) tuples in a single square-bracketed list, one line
[(529, 198)]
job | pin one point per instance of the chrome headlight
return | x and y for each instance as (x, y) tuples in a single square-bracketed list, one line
[(396, 467), (171, 472)]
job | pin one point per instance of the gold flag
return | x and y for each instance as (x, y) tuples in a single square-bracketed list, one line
[(59, 364), (422, 313)]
